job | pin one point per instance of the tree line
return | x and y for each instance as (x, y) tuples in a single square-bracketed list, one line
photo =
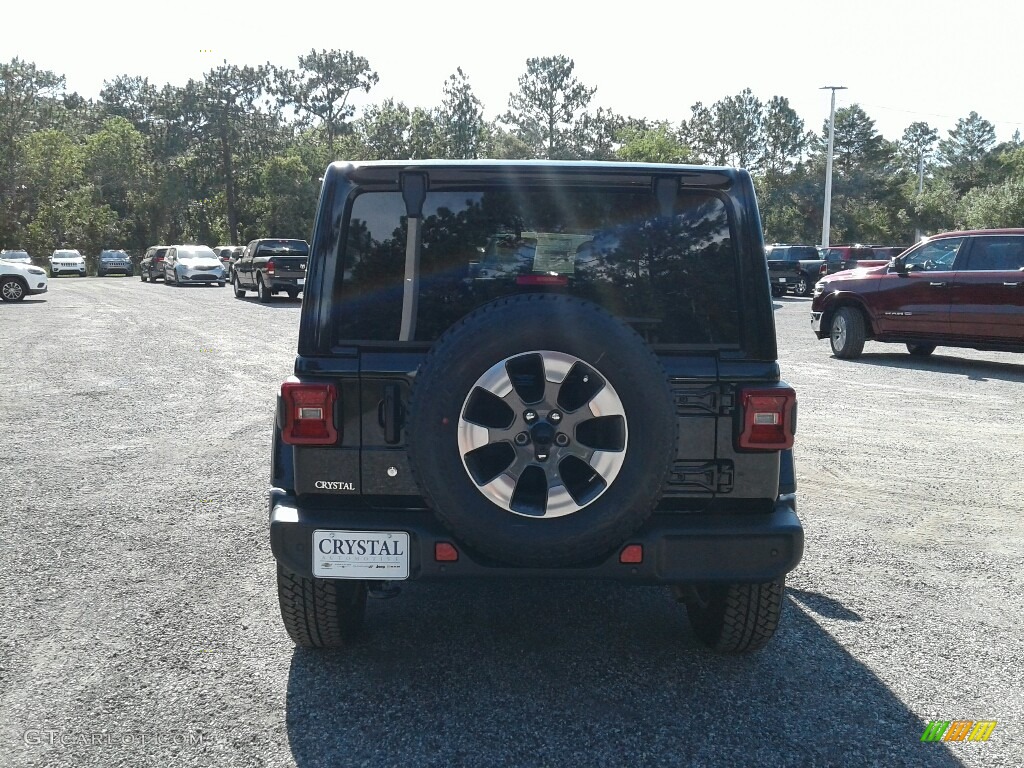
[(239, 153)]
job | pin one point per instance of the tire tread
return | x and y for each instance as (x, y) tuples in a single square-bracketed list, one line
[(320, 613), (739, 617)]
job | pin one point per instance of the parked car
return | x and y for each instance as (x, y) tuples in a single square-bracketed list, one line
[(67, 261), (152, 266), (17, 256), (196, 264), (885, 253), (228, 255), (548, 421), (113, 261), (18, 279), (270, 266), (840, 257), (806, 266), (958, 289)]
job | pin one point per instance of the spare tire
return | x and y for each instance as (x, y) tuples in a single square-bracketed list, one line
[(541, 430)]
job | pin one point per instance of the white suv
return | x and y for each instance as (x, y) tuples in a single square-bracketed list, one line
[(19, 280), (67, 261)]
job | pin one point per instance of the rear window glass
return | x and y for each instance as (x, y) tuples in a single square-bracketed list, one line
[(283, 248), (789, 253), (803, 252), (672, 278), (196, 251)]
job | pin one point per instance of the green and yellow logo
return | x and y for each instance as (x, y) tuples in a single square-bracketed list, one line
[(958, 730)]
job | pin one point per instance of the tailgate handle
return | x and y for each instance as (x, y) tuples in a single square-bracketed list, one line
[(936, 285), (1012, 284), (391, 414)]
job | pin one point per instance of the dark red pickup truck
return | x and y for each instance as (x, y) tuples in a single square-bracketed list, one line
[(958, 289)]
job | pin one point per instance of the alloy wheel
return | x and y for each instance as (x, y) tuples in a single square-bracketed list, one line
[(839, 331), (542, 434)]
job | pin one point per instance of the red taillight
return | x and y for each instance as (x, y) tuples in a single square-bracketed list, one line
[(823, 269), (632, 554), (769, 418), (445, 552), (308, 413), (271, 267)]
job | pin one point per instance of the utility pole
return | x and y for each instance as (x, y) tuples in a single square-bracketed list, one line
[(920, 187), (827, 218)]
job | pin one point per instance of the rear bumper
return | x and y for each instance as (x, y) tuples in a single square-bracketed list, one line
[(286, 283), (678, 548)]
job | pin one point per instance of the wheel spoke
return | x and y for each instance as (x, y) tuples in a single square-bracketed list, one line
[(500, 490), (580, 386), (560, 502), (531, 494), (496, 381), (606, 403), (526, 372), (486, 463), (606, 433), (604, 463), (581, 480), (488, 410)]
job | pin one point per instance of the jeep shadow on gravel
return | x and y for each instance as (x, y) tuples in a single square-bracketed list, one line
[(535, 370)]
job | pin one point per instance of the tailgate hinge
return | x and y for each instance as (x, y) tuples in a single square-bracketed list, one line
[(714, 400), (713, 476)]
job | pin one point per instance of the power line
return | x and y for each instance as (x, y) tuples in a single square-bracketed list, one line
[(935, 114)]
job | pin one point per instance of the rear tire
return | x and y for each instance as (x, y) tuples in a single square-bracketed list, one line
[(778, 291), (262, 292), (846, 333), (920, 350), (320, 613), (735, 618), (293, 294), (142, 276)]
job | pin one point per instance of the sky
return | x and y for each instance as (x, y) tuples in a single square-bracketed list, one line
[(902, 61)]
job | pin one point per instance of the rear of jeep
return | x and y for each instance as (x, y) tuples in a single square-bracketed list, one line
[(533, 370)]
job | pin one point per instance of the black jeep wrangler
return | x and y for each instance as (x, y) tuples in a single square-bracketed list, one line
[(534, 370)]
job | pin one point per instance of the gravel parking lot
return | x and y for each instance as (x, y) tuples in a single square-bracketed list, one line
[(140, 625)]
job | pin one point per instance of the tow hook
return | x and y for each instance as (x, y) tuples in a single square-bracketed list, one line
[(382, 590)]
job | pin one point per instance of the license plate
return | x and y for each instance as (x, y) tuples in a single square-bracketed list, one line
[(782, 279), (382, 555), (301, 281)]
